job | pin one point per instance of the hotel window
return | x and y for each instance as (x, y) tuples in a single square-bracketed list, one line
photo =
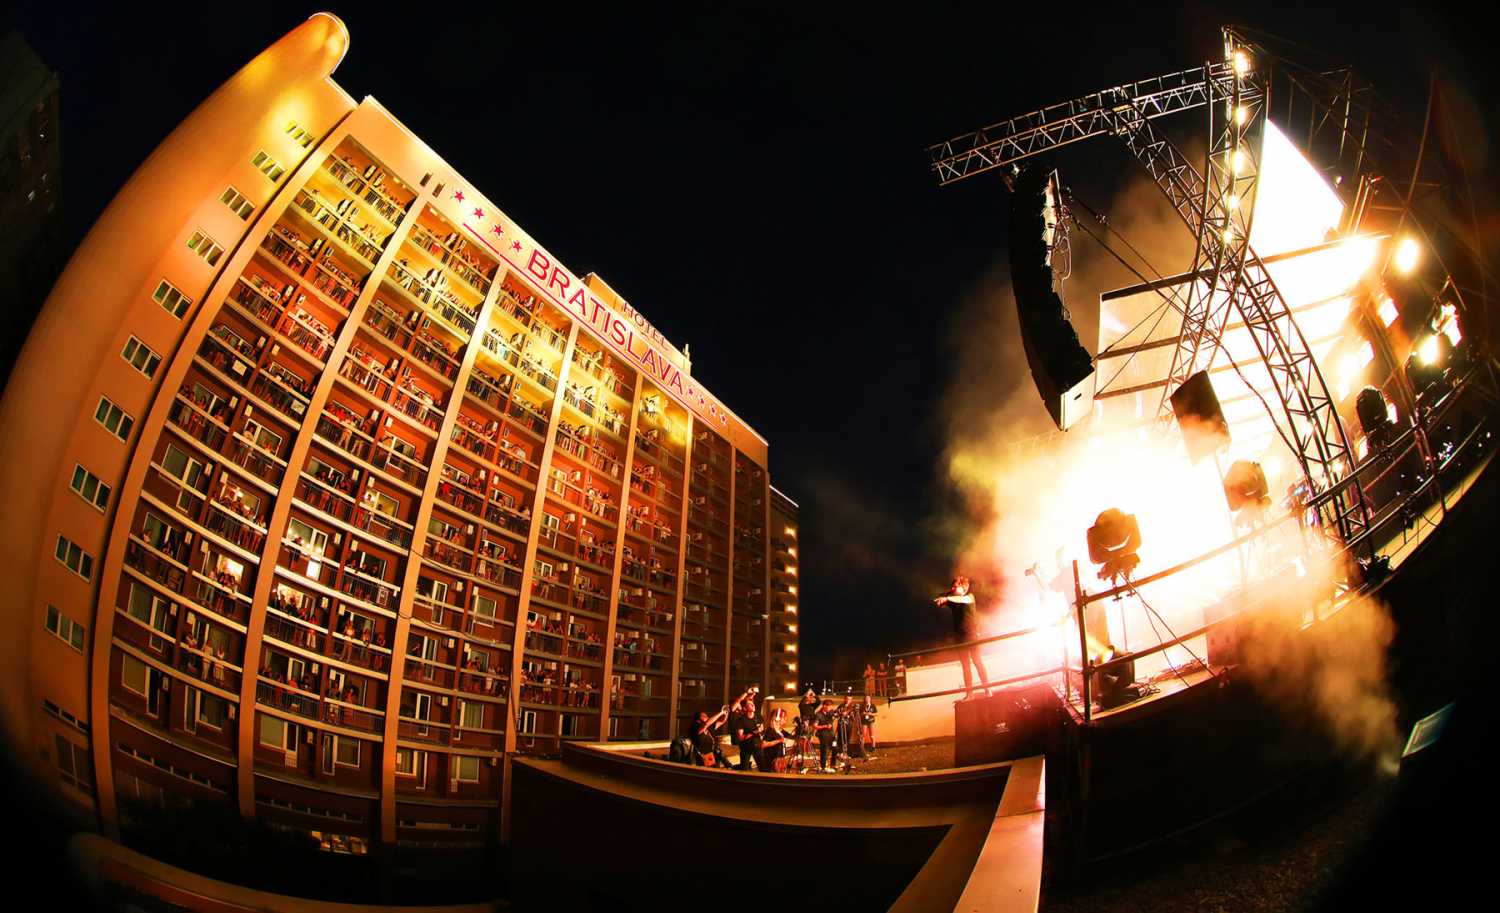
[(274, 733), (236, 202), (471, 714), (169, 297), (268, 166), (140, 356), (152, 611), (484, 607), (114, 419), (133, 675), (299, 136), (528, 721), (73, 765), (212, 710), (465, 769), (346, 751), (407, 762), (181, 466), (77, 560), (67, 630), (205, 247), (88, 487)]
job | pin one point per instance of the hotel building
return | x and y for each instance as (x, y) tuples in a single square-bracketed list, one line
[(331, 489)]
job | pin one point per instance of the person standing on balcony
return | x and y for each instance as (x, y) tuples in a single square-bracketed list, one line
[(965, 628)]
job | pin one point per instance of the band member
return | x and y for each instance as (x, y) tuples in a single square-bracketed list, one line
[(808, 708), (745, 729), (824, 724), (773, 742), (867, 730), (965, 628), (705, 738)]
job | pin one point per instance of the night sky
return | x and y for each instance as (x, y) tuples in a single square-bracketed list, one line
[(753, 179)]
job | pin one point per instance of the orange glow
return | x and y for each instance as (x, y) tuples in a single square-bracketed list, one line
[(1407, 254), (1387, 311)]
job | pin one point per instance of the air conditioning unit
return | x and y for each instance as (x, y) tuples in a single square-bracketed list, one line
[(443, 701)]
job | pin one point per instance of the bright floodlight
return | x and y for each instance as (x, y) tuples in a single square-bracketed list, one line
[(1241, 114), (1428, 351), (1407, 255), (1241, 63)]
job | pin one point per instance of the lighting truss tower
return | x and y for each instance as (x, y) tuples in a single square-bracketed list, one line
[(1217, 205)]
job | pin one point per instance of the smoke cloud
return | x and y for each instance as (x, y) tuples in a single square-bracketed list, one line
[(1032, 493)]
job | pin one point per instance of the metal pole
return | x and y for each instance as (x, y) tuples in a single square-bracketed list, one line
[(1083, 647)]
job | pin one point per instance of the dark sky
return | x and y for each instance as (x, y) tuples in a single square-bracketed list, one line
[(754, 179)]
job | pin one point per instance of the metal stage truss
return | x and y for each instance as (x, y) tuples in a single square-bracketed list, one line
[(1342, 127)]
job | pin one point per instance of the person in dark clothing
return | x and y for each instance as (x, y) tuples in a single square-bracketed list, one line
[(744, 730), (823, 725), (808, 708), (705, 737), (807, 714), (965, 628)]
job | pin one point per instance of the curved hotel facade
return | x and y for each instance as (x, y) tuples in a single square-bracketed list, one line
[(330, 489)]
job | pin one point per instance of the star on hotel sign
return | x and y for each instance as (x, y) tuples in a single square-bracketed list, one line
[(479, 213), (458, 195)]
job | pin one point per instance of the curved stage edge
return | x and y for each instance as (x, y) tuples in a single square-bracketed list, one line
[(969, 836)]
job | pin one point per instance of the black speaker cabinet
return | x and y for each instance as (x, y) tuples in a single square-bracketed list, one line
[(1196, 407), (1010, 723), (1061, 367)]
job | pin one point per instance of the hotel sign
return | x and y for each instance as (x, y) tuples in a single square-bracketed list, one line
[(630, 336)]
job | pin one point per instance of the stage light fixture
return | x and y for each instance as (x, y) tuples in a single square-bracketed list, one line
[(1237, 161), (1241, 62), (1246, 489), (1241, 114), (1114, 540), (1376, 416), (1407, 254), (1428, 350)]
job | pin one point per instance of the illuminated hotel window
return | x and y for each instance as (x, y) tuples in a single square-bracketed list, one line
[(74, 557), (170, 298), (66, 629), (471, 715), (88, 487), (268, 166), (236, 202), (205, 247), (299, 136), (114, 419), (73, 765), (140, 356)]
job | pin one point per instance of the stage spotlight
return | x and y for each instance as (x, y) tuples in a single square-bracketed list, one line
[(1429, 350), (1241, 62), (1114, 540), (1246, 490), (1406, 256), (1375, 417)]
